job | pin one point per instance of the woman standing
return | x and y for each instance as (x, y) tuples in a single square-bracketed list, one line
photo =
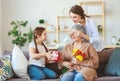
[(77, 15)]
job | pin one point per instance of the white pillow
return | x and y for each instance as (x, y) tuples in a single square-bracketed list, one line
[(19, 63)]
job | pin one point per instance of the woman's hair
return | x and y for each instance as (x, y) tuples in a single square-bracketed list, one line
[(78, 27), (38, 31), (78, 10)]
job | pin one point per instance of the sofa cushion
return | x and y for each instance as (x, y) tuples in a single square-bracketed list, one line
[(26, 54), (113, 65), (19, 63), (103, 59), (5, 68), (104, 55)]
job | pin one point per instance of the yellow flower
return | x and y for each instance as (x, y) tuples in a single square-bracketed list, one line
[(78, 54), (79, 57)]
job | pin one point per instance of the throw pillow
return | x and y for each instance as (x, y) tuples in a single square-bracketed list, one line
[(19, 63), (113, 65), (5, 68)]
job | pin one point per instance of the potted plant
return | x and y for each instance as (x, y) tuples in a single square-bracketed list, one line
[(41, 21), (114, 40), (99, 29), (118, 42), (20, 38)]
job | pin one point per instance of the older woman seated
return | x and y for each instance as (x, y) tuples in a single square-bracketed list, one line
[(80, 57)]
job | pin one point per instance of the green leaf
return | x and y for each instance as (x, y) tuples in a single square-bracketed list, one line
[(41, 21), (24, 23), (20, 38)]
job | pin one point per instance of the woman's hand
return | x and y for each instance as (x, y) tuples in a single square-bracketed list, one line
[(74, 60), (68, 65), (80, 34)]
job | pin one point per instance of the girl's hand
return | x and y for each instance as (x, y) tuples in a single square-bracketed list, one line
[(50, 52), (51, 61), (48, 55)]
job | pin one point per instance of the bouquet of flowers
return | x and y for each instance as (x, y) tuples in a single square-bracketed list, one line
[(79, 54)]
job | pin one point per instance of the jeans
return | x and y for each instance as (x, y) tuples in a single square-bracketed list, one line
[(39, 73), (72, 76)]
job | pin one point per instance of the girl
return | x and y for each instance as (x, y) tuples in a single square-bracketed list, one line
[(38, 54)]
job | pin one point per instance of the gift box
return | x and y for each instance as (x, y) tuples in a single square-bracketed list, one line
[(56, 56), (79, 54)]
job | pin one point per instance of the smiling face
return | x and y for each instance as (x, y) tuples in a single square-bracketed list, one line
[(77, 32), (77, 14), (75, 17), (74, 35)]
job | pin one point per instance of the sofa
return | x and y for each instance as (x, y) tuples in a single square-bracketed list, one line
[(103, 59)]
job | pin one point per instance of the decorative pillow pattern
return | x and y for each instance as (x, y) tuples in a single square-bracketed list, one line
[(113, 65), (19, 63), (5, 68)]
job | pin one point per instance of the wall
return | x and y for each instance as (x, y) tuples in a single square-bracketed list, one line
[(112, 20), (0, 29), (33, 10)]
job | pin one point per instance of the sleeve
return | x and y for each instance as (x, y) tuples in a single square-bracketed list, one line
[(94, 36), (31, 45), (93, 60)]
